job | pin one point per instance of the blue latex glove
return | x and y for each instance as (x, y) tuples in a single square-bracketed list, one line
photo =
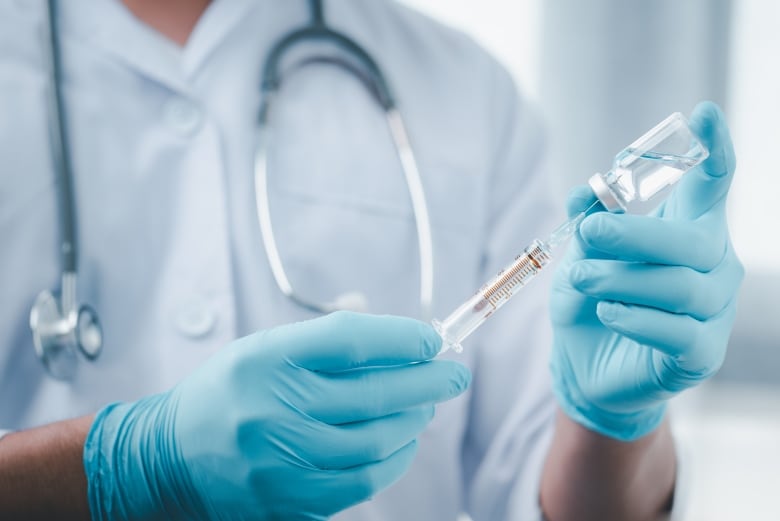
[(294, 423), (643, 306)]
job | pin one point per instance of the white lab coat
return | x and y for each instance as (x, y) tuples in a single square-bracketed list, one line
[(170, 251)]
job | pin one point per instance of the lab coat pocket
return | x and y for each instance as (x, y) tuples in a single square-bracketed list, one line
[(362, 237), (332, 244)]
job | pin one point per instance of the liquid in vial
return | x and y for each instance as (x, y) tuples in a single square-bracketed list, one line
[(643, 171)]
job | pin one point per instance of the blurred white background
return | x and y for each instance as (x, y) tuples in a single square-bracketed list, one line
[(603, 72)]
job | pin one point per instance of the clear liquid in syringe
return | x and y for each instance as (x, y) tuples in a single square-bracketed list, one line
[(500, 289)]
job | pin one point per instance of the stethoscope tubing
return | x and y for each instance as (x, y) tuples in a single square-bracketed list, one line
[(371, 76), (60, 147), (62, 326)]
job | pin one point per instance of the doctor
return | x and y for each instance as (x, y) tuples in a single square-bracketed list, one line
[(219, 397)]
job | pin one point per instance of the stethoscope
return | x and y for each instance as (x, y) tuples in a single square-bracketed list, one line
[(62, 327)]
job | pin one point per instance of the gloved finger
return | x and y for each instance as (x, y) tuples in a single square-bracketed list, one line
[(344, 340), (366, 394), (579, 199), (706, 185), (697, 347), (697, 244), (335, 490), (703, 358), (366, 480), (360, 443), (677, 289)]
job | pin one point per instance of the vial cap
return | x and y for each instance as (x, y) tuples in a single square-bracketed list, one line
[(601, 190)]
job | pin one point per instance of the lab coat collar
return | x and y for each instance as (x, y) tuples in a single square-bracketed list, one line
[(111, 27), (220, 19)]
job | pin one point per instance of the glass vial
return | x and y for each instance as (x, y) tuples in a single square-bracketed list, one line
[(642, 171)]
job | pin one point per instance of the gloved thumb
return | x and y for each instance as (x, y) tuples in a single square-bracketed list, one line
[(707, 185)]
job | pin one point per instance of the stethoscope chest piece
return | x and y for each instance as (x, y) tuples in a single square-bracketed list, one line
[(58, 336), (60, 326)]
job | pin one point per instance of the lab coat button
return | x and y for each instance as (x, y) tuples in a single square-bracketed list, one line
[(183, 116), (195, 318)]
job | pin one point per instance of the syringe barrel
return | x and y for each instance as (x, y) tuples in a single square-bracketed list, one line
[(490, 297)]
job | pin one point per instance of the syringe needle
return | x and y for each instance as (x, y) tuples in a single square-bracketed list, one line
[(567, 229)]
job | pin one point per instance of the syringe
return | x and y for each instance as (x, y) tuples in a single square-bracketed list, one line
[(638, 181), (498, 290)]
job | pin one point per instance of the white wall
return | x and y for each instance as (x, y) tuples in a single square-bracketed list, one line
[(755, 119), (509, 29), (512, 31)]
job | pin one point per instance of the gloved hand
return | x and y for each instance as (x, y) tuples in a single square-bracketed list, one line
[(642, 306), (292, 423)]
